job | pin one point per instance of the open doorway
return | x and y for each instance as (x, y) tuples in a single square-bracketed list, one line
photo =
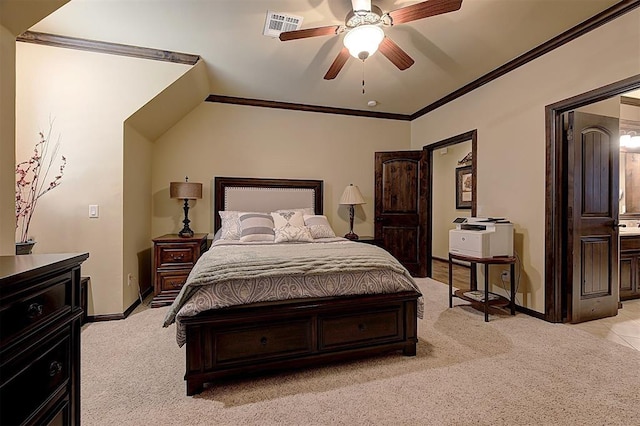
[(559, 274), (447, 161)]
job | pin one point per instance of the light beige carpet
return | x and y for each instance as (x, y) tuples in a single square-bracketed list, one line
[(510, 371)]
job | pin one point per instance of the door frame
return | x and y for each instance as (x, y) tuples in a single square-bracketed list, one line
[(428, 151), (555, 191)]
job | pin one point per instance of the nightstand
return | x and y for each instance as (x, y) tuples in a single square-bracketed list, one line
[(173, 259), (369, 240)]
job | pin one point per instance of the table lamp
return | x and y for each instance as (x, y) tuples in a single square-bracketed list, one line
[(351, 197), (185, 191)]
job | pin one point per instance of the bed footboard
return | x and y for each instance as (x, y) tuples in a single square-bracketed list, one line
[(296, 333)]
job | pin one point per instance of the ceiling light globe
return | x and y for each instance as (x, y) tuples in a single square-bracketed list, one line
[(363, 41)]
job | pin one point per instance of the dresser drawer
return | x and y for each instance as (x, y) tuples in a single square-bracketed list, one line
[(33, 378), (366, 327), (177, 255), (629, 243), (264, 342), (35, 310)]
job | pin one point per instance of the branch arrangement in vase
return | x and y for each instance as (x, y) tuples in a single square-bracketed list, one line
[(32, 180)]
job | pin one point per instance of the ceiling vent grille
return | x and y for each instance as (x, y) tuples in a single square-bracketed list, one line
[(277, 23)]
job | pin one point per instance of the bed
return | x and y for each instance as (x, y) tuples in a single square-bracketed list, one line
[(253, 305)]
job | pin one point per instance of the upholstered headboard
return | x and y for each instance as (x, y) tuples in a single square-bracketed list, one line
[(264, 195)]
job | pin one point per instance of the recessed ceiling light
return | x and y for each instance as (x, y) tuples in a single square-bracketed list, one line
[(372, 103)]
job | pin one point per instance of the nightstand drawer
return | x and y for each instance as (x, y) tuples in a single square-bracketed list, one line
[(365, 327), (32, 379), (178, 255), (171, 280), (274, 341), (33, 311)]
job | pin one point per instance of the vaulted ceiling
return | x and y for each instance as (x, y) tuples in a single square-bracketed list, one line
[(450, 50)]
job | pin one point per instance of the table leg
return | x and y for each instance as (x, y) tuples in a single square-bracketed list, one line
[(450, 283), (513, 289), (486, 292), (473, 280)]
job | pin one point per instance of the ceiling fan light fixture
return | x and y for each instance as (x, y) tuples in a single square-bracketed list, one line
[(363, 41)]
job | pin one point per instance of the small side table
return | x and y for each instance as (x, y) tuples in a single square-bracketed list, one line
[(369, 240), (173, 259), (486, 261)]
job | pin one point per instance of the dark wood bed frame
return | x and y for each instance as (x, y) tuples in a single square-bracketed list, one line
[(294, 333)]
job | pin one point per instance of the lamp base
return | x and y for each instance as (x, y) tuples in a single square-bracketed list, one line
[(351, 236), (185, 233)]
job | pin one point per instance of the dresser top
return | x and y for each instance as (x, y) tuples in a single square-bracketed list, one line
[(14, 268)]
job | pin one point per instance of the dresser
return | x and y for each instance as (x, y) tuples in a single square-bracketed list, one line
[(40, 339), (173, 259), (629, 267)]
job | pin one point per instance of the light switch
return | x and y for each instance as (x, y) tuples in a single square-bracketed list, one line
[(94, 210)]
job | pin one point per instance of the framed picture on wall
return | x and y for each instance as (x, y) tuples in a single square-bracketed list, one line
[(464, 185)]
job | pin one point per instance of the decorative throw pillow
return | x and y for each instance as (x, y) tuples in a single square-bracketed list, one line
[(305, 211), (319, 226), (286, 218), (293, 234), (230, 229), (256, 227)]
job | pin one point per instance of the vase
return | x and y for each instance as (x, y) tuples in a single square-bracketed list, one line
[(25, 248)]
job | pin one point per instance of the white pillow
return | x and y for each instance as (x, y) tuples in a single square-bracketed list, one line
[(230, 228), (319, 226), (293, 234), (256, 227), (306, 210), (286, 218)]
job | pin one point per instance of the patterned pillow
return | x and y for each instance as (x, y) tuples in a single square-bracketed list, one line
[(293, 234), (305, 211), (286, 218), (230, 229), (256, 227), (319, 226)]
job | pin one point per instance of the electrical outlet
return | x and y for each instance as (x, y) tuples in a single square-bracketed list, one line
[(129, 279), (505, 275)]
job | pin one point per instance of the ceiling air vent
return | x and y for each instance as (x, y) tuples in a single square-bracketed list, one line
[(277, 23)]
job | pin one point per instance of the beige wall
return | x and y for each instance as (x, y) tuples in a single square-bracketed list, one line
[(15, 17), (136, 213), (232, 140), (444, 196), (509, 115), (7, 138), (89, 96)]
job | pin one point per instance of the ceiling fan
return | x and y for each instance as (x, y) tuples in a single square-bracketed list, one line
[(365, 34)]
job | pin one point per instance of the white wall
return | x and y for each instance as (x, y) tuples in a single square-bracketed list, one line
[(509, 114), (244, 141)]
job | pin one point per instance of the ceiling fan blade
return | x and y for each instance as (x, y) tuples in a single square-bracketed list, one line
[(423, 10), (395, 54), (310, 32), (337, 64)]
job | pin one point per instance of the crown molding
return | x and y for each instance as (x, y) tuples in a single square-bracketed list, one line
[(615, 11)]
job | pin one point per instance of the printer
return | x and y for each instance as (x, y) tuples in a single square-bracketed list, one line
[(481, 237)]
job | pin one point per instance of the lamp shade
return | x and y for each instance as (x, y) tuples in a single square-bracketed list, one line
[(352, 196), (363, 41), (185, 190)]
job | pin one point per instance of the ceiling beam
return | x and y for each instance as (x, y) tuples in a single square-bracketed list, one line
[(105, 47)]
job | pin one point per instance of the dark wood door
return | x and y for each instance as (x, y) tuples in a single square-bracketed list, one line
[(400, 204), (592, 216)]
